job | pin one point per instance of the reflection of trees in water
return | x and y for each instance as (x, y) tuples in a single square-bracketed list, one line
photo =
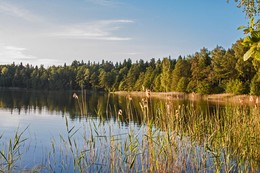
[(24, 100), (102, 105)]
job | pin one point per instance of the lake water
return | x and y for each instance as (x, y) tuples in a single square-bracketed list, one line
[(104, 133)]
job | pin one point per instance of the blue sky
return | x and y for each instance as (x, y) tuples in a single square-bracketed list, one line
[(54, 32)]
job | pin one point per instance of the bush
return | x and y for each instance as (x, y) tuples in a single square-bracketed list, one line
[(204, 87), (218, 90), (235, 87), (255, 85)]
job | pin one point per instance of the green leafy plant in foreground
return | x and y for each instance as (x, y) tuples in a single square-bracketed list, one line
[(252, 41)]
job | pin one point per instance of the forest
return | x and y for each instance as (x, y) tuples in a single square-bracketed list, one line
[(205, 72)]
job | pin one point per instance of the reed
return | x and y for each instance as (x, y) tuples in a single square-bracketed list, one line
[(12, 151), (171, 138), (81, 101)]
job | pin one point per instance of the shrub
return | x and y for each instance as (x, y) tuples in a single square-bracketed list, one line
[(235, 87), (255, 85), (204, 87)]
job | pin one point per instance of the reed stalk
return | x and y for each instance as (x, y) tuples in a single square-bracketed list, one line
[(13, 152)]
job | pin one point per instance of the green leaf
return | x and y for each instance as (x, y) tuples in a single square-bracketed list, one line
[(249, 53), (3, 155), (257, 55), (132, 163), (246, 31), (247, 41), (255, 36), (241, 27), (252, 22)]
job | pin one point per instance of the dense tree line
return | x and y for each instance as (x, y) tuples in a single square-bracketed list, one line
[(204, 72)]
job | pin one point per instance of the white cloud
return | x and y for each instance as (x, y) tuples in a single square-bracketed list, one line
[(48, 62), (110, 3), (133, 53), (97, 30), (12, 48), (10, 54), (114, 38), (129, 53), (15, 11)]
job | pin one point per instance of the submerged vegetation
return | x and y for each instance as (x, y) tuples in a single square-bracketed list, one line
[(168, 138), (205, 72)]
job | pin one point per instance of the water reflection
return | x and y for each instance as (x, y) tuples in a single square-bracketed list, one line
[(214, 132), (102, 105)]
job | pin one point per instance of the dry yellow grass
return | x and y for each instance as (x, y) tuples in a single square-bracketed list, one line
[(220, 98)]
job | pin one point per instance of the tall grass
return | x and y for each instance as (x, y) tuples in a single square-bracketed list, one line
[(227, 140), (81, 102), (171, 138), (12, 151)]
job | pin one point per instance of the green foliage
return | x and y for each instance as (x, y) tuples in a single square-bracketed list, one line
[(250, 7), (205, 72), (139, 83), (182, 84), (252, 41), (235, 87), (157, 84), (217, 57), (200, 65), (204, 87), (191, 86), (245, 69), (106, 79), (255, 85), (131, 78), (181, 70), (165, 75), (82, 76)]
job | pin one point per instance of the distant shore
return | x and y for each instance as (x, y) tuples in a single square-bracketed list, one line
[(220, 98)]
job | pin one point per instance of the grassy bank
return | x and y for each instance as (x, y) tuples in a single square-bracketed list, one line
[(220, 98)]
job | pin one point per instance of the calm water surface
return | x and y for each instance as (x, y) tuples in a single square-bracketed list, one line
[(45, 114)]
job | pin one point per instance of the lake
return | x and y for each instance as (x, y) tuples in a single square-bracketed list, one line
[(56, 131)]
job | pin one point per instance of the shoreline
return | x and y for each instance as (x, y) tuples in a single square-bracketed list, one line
[(220, 98)]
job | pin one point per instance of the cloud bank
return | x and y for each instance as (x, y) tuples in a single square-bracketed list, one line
[(10, 54), (96, 30)]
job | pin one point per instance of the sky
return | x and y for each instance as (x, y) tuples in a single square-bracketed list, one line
[(54, 32)]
